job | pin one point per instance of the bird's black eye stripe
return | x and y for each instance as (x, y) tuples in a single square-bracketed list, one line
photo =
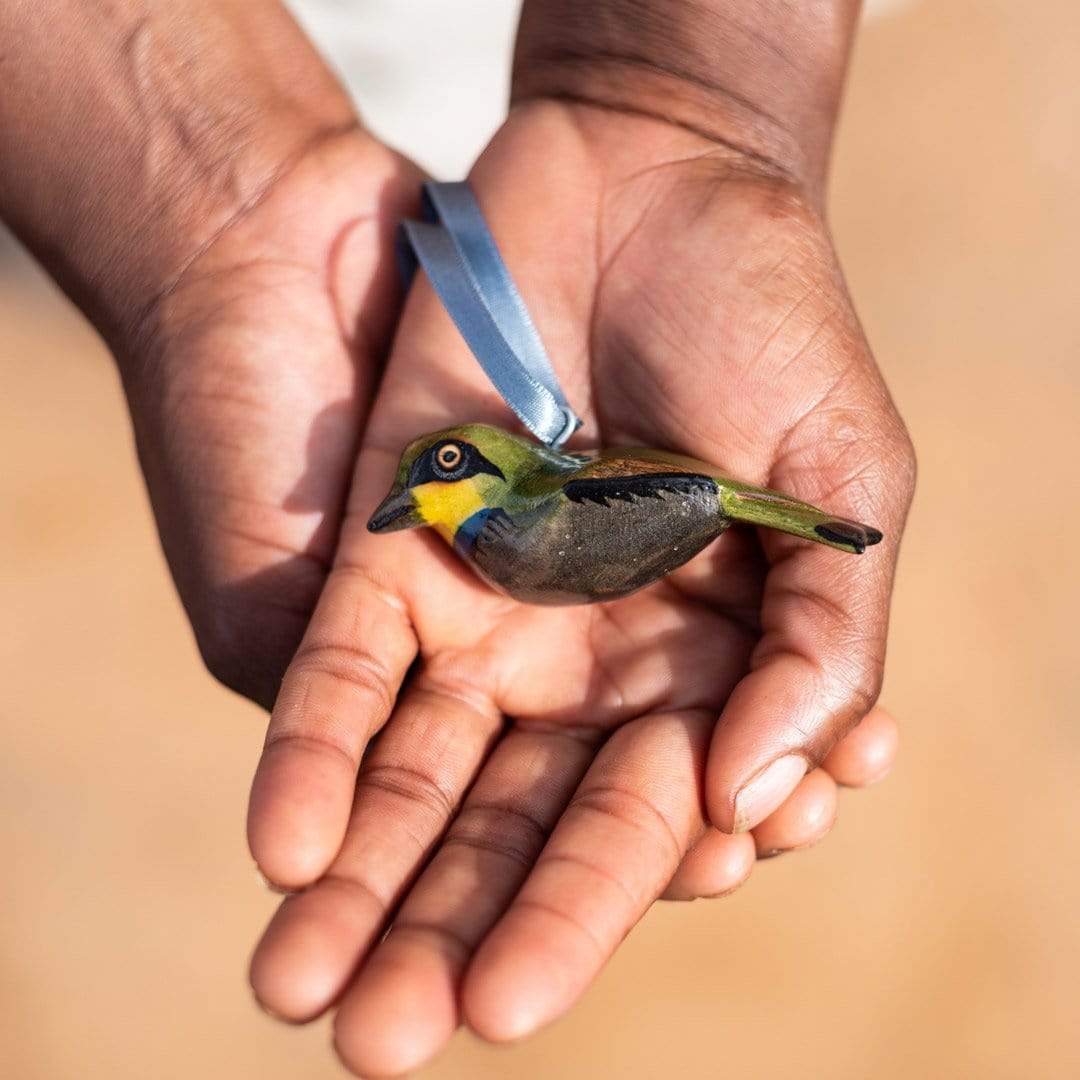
[(449, 461)]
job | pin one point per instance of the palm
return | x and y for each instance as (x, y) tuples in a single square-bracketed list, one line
[(656, 364), (248, 412), (671, 299)]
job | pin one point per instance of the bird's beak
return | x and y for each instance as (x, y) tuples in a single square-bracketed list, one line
[(397, 511)]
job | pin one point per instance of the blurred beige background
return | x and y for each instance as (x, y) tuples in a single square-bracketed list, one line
[(934, 934)]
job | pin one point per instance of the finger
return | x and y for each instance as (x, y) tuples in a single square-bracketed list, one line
[(403, 1005), (817, 669), (409, 786), (720, 862), (613, 852), (804, 819), (867, 753), (338, 691), (716, 865)]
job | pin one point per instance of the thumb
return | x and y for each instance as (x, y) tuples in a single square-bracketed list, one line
[(818, 667)]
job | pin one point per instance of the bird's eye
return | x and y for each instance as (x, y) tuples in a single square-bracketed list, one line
[(448, 458)]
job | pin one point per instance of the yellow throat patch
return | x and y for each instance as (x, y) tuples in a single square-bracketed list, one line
[(447, 506)]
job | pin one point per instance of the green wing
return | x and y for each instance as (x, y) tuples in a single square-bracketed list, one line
[(773, 510), (628, 475)]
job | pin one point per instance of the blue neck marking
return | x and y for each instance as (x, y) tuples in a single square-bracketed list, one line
[(470, 529)]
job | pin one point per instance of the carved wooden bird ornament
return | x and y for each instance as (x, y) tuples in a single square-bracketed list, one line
[(551, 527)]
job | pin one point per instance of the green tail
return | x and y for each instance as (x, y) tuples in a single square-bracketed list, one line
[(757, 506)]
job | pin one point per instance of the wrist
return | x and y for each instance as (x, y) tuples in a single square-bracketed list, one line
[(125, 153), (761, 79)]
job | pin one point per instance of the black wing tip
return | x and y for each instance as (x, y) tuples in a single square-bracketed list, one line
[(857, 537)]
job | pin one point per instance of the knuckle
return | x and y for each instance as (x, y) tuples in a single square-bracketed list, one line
[(348, 664), (416, 788), (905, 461), (845, 686), (504, 829), (894, 451), (632, 811), (857, 688), (865, 692), (870, 456), (568, 917), (444, 936), (785, 203)]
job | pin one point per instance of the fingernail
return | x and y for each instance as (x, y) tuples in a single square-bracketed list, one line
[(762, 795)]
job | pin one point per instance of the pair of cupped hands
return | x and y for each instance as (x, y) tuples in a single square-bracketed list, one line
[(511, 787)]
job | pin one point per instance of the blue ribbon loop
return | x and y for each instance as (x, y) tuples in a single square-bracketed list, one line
[(455, 247)]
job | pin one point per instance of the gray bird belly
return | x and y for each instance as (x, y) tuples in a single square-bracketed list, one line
[(588, 552)]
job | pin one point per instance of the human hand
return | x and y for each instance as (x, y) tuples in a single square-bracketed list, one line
[(690, 300), (251, 393), (222, 183), (200, 185)]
